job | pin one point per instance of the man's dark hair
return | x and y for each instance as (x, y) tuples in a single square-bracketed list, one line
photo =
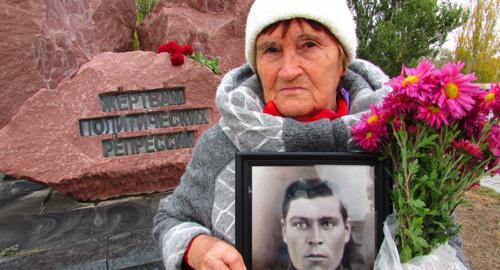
[(309, 189)]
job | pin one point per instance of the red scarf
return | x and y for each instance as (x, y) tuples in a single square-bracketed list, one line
[(342, 110)]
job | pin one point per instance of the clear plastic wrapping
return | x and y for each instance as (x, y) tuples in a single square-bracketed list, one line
[(442, 257)]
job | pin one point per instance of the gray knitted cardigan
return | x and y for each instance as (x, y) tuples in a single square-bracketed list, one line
[(203, 203)]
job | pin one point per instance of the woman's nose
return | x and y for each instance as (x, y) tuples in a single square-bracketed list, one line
[(290, 68)]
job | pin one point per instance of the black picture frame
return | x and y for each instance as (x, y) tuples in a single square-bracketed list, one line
[(257, 238)]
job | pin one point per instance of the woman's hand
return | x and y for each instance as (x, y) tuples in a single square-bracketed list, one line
[(207, 253)]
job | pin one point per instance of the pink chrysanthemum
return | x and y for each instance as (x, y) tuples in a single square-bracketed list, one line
[(412, 128), (376, 117), (474, 123), (413, 82), (432, 114), (397, 123), (457, 91), (396, 103), (368, 138), (494, 140), (491, 100), (369, 132), (469, 147)]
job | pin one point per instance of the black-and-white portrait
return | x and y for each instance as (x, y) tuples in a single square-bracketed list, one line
[(313, 217)]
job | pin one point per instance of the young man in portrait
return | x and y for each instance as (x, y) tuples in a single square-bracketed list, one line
[(315, 226)]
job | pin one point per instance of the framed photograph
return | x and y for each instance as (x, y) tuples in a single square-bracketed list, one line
[(310, 210)]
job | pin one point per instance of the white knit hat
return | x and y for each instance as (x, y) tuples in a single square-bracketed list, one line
[(333, 14)]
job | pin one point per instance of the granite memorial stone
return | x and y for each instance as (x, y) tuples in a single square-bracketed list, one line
[(125, 124), (45, 42), (214, 27)]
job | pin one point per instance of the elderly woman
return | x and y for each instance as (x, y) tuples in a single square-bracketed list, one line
[(301, 90)]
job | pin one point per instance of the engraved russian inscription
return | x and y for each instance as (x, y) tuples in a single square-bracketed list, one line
[(144, 100), (148, 144), (143, 121), (112, 102)]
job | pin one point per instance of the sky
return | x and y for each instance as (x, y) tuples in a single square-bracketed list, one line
[(452, 37)]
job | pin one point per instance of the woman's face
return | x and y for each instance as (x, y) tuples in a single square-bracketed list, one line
[(299, 70)]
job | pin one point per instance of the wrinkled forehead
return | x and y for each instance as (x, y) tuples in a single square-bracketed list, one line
[(284, 26)]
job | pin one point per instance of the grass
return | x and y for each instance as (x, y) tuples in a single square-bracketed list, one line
[(143, 8), (137, 45), (488, 192), (211, 63)]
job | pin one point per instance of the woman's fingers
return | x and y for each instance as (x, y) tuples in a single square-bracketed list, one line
[(210, 253), (216, 265), (233, 259)]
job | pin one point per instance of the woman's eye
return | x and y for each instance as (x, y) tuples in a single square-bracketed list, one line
[(309, 44), (271, 50)]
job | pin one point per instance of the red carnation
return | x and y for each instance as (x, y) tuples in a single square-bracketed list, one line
[(172, 47), (177, 59), (162, 48), (187, 50)]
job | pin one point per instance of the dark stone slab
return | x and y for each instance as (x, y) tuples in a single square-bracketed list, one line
[(60, 229), (154, 200), (60, 202), (87, 254), (24, 187), (5, 190), (114, 234), (11, 189), (23, 205), (14, 230), (133, 250), (122, 217)]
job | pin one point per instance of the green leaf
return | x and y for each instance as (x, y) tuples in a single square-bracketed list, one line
[(406, 254), (417, 203), (143, 8), (427, 141), (420, 242), (413, 167), (416, 225), (211, 63)]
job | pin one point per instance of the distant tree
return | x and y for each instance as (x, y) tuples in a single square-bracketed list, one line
[(478, 45), (396, 32), (444, 56)]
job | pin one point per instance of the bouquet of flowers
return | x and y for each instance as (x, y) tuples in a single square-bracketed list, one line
[(442, 134)]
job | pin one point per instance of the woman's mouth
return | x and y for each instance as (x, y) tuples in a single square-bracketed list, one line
[(291, 89)]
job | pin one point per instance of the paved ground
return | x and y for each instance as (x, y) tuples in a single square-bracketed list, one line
[(492, 182), (43, 229)]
